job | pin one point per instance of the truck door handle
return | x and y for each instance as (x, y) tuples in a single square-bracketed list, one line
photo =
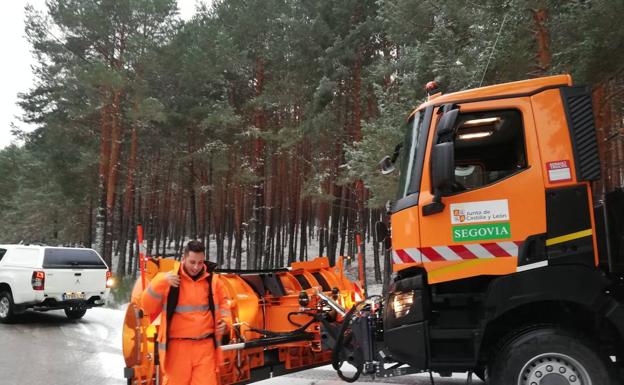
[(77, 274)]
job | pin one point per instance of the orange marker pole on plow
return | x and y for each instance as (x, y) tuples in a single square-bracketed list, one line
[(361, 270)]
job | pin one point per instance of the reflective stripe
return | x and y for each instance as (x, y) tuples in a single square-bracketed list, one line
[(225, 312), (569, 237), (191, 308), (162, 346), (152, 293), (531, 266)]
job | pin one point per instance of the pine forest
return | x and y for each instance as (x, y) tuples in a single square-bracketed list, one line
[(257, 125)]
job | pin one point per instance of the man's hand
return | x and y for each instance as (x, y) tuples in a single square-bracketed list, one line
[(221, 328), (173, 279)]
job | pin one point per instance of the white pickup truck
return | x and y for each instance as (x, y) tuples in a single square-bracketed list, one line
[(46, 278)]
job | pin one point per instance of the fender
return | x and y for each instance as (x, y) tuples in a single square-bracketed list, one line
[(7, 280)]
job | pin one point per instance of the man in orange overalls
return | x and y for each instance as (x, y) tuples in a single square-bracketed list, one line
[(188, 300)]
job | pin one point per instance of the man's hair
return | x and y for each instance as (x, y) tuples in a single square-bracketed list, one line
[(196, 246)]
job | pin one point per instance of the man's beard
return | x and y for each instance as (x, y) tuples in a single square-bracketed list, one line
[(196, 276)]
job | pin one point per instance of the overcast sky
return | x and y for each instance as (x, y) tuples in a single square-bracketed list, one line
[(15, 72)]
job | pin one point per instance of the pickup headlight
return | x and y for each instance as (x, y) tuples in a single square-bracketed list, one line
[(402, 303)]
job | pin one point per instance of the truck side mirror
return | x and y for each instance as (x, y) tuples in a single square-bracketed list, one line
[(442, 162), (386, 166), (442, 167), (383, 234), (382, 231)]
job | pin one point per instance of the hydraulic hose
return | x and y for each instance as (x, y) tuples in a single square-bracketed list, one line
[(270, 341), (292, 313), (270, 333), (336, 363)]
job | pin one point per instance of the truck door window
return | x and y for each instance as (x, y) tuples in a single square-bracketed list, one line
[(2, 252), (409, 153), (489, 146)]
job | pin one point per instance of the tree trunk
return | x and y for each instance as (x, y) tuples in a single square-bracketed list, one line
[(344, 217), (89, 233), (191, 187), (543, 55), (374, 217), (105, 134), (257, 164), (602, 132), (335, 224), (113, 171), (303, 245)]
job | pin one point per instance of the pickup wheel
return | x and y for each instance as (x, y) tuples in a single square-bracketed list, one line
[(7, 307), (549, 356), (75, 312)]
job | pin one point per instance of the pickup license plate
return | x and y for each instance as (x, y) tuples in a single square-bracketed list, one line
[(73, 295)]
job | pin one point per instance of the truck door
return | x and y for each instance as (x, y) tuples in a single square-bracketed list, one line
[(497, 198), (405, 222)]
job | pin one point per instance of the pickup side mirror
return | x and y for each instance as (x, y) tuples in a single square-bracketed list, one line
[(386, 166)]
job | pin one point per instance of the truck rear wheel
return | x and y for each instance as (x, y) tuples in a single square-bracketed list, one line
[(549, 356), (75, 312), (7, 307)]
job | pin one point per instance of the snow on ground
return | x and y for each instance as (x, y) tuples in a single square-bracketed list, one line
[(110, 361), (326, 375)]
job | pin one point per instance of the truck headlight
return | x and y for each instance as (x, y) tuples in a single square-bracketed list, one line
[(402, 303)]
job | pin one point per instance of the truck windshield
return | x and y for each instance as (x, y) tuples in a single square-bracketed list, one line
[(409, 178)]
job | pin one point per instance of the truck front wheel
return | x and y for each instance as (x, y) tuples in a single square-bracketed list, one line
[(549, 356), (7, 307)]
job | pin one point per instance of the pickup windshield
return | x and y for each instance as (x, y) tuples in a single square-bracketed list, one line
[(409, 179), (58, 258)]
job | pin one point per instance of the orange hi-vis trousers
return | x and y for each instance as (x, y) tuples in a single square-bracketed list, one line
[(191, 362)]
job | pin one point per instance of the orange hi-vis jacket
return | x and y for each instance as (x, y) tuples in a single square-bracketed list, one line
[(190, 317)]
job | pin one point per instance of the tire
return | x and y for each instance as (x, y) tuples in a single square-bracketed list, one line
[(549, 356), (75, 312), (7, 307)]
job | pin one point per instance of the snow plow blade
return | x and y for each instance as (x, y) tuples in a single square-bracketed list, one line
[(276, 317)]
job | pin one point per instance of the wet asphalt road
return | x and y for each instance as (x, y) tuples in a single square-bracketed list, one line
[(49, 349)]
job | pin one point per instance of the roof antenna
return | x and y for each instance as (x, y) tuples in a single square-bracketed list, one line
[(493, 48)]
